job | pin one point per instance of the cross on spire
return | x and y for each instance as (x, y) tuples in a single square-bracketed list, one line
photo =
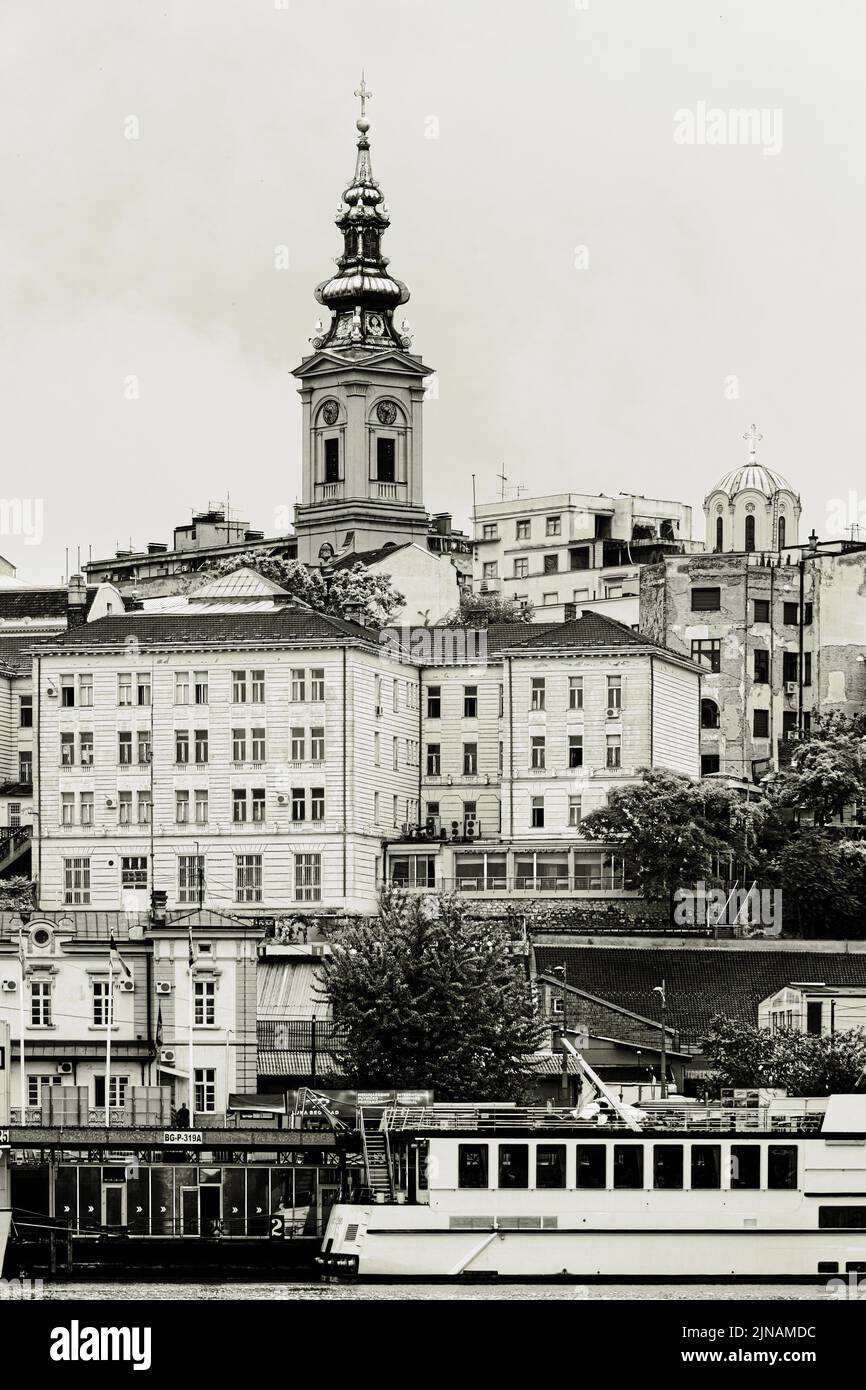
[(753, 437), (363, 93)]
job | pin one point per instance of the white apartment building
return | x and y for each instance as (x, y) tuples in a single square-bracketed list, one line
[(570, 550)]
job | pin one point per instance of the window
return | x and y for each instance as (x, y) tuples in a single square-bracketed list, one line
[(790, 614), (143, 745), (86, 808), (549, 600), (434, 702), (257, 687), (762, 610), (67, 691), (395, 810), (181, 807), (205, 1088), (116, 1091), (549, 1165), (591, 1165), (40, 1003), (201, 745), (25, 712), (513, 1165), (537, 693), (124, 808), (124, 688), (190, 878), (489, 531), (37, 1088), (707, 651), (551, 564), (782, 526), (706, 1166), (67, 808), (142, 688), (761, 723), (332, 460), (614, 692), (181, 746), (749, 533), (470, 702), (762, 665), (248, 878), (574, 811), (472, 1165), (181, 687), (807, 614), (299, 803), (709, 714), (470, 759), (101, 1003), (299, 686), (627, 1165), (124, 748), (395, 693), (317, 744), (521, 568), (807, 668), (317, 683), (200, 687), (433, 759), (490, 570), (377, 750), (842, 1219), (257, 801), (386, 460), (317, 803), (537, 749), (536, 811), (239, 806), (133, 871), (201, 806), (667, 1165), (205, 1003), (395, 752), (553, 526), (746, 1166), (145, 808), (377, 807), (614, 750), (76, 881), (781, 1167), (239, 687), (298, 742), (239, 745), (523, 530), (575, 692), (67, 750), (706, 600), (578, 559), (720, 534), (790, 666), (25, 767), (308, 878)]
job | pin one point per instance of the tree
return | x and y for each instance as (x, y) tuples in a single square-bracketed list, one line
[(675, 832), (17, 893), (827, 771), (805, 1064), (428, 998), (823, 881), (483, 610), (326, 592)]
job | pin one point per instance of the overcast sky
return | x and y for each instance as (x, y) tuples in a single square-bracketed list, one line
[(602, 369)]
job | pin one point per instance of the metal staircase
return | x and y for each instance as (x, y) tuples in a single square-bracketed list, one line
[(377, 1158)]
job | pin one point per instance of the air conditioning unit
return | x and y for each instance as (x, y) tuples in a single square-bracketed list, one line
[(109, 803), (163, 987), (281, 799), (126, 986), (166, 1054), (9, 986), (470, 827), (51, 693), (790, 687), (614, 712), (64, 1068)]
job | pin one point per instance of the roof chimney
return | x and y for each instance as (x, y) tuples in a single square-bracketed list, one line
[(76, 600)]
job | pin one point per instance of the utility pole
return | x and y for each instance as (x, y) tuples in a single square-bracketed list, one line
[(660, 990), (559, 972)]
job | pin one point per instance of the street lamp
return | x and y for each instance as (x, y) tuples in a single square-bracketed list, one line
[(660, 990)]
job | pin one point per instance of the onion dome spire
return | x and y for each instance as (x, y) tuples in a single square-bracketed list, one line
[(362, 296)]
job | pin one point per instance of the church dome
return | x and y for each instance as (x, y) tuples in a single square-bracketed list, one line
[(753, 477)]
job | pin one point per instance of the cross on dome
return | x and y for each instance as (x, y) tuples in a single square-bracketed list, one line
[(753, 438)]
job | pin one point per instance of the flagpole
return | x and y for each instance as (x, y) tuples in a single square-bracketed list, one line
[(191, 1021), (21, 949), (109, 1014)]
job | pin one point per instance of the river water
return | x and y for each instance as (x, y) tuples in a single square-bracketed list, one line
[(327, 1293)]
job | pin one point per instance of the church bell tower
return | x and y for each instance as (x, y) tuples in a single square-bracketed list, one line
[(362, 392)]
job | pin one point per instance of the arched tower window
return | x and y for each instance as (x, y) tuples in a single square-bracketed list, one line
[(720, 534), (781, 532), (709, 714), (750, 533)]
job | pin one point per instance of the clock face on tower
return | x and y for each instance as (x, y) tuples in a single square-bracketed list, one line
[(386, 412), (330, 412)]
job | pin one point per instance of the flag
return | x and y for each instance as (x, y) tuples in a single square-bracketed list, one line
[(117, 961), (158, 1038)]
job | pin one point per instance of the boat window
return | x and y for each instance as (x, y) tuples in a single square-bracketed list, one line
[(667, 1165), (513, 1165), (550, 1165), (628, 1165), (706, 1165), (472, 1165), (842, 1218), (592, 1164), (745, 1165), (782, 1166)]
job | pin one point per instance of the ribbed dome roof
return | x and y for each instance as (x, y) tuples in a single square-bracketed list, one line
[(755, 477)]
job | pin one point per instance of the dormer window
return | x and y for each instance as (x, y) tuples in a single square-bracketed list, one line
[(385, 461), (332, 460)]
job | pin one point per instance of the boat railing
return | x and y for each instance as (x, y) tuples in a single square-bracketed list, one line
[(697, 1119)]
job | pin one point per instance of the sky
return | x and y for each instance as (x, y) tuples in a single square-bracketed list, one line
[(608, 299)]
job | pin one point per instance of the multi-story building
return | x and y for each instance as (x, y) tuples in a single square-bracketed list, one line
[(814, 1007), (571, 551)]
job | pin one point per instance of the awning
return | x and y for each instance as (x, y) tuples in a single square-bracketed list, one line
[(260, 1104), (173, 1071)]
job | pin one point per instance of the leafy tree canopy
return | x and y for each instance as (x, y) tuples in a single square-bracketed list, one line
[(827, 771), (482, 610), (17, 893), (325, 593), (804, 1064)]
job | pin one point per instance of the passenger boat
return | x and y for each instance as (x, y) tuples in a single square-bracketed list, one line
[(773, 1190)]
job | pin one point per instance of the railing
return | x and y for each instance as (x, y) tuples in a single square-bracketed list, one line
[(526, 883), (696, 1119)]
